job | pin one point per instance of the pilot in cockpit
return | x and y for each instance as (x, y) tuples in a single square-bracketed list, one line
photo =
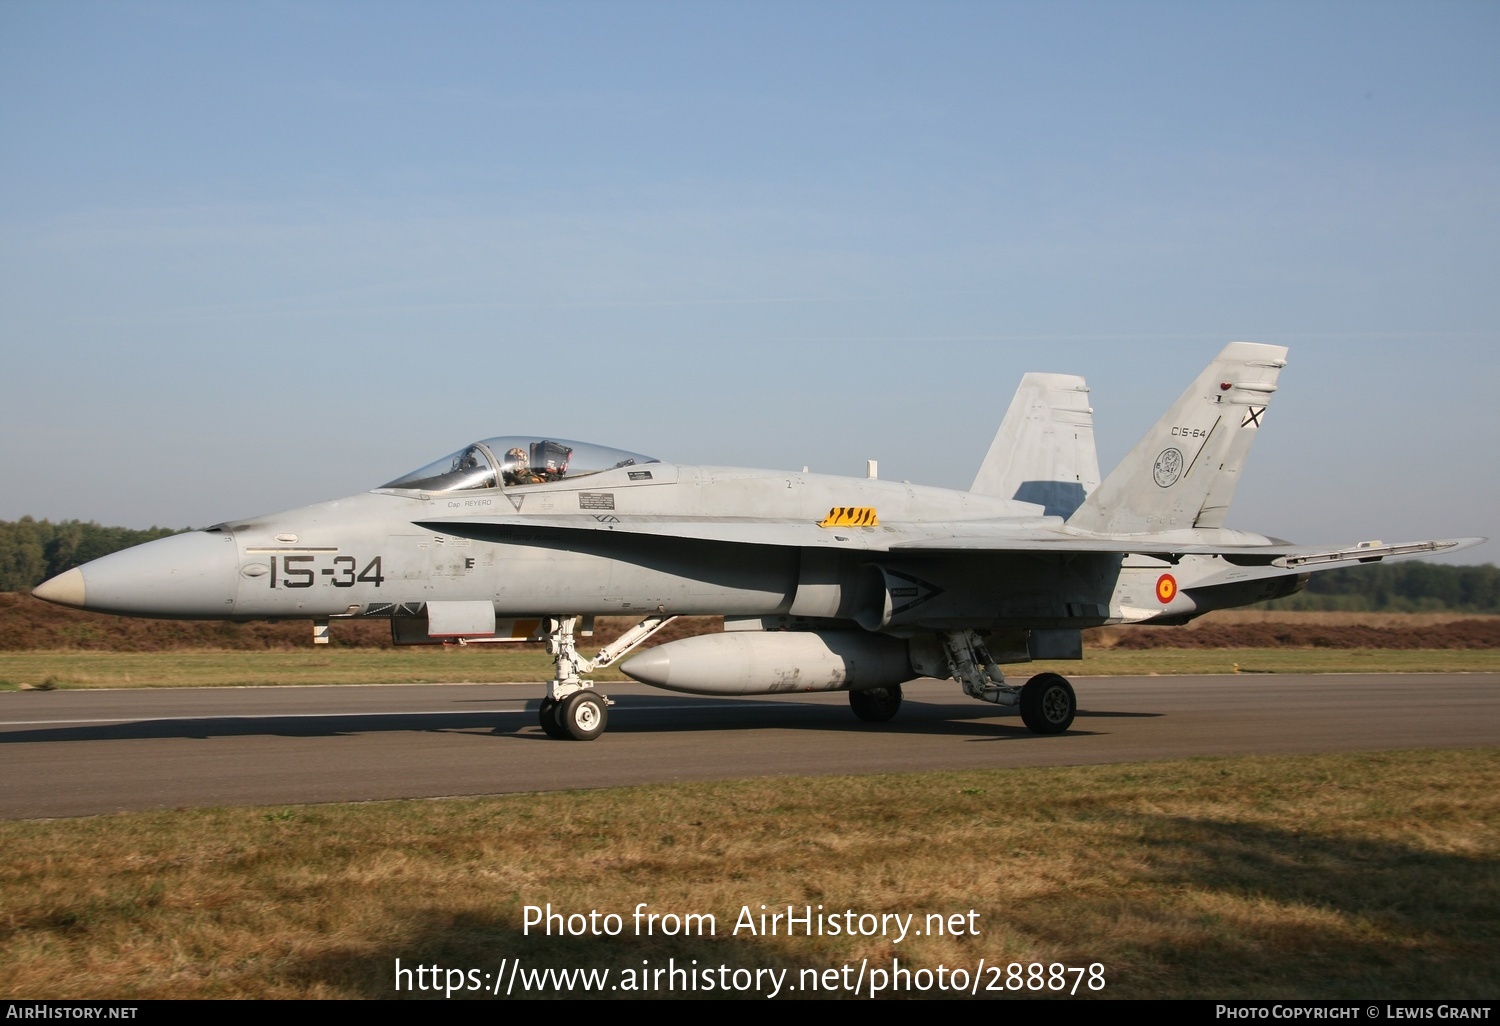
[(518, 468)]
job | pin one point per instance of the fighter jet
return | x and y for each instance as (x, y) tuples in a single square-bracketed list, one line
[(825, 583)]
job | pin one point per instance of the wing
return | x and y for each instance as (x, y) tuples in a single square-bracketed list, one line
[(971, 537)]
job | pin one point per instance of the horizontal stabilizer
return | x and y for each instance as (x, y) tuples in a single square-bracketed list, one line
[(1304, 559), (1371, 552)]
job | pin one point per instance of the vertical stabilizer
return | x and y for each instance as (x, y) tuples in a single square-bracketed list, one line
[(1044, 451), (1183, 474)]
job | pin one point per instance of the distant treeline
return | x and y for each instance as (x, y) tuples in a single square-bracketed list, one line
[(1400, 588), (33, 550)]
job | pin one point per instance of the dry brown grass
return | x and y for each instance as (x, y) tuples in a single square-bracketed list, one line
[(29, 624), (1236, 617), (1357, 876), (207, 668), (1253, 629)]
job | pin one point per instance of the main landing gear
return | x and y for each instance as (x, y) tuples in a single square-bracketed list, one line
[(573, 710), (876, 705), (1048, 704)]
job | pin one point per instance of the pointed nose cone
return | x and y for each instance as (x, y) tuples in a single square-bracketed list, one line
[(187, 576)]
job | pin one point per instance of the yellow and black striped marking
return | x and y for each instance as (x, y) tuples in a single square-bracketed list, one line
[(850, 516)]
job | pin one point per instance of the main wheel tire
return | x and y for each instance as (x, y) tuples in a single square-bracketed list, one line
[(876, 705), (582, 715), (547, 716), (1048, 704)]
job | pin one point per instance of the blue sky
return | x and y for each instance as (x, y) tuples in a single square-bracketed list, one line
[(257, 255)]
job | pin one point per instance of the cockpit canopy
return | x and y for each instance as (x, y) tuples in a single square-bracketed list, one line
[(514, 461)]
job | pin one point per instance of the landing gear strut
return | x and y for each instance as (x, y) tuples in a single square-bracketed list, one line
[(970, 664), (573, 710)]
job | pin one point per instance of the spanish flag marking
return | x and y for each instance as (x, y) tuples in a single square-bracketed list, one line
[(1166, 589)]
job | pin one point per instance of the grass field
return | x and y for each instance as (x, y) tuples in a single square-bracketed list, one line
[(208, 668), (1354, 876)]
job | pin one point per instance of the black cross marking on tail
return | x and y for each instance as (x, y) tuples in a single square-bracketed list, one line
[(1252, 418)]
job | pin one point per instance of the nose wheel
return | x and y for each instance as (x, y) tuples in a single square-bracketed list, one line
[(547, 714), (582, 716)]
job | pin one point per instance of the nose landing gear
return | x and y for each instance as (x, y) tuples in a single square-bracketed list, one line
[(573, 710)]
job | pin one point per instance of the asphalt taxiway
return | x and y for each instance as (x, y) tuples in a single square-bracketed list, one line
[(77, 753)]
